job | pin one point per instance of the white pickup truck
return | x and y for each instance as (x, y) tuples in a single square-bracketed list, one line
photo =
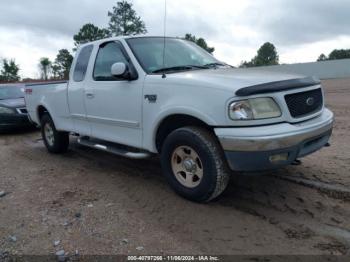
[(205, 118)]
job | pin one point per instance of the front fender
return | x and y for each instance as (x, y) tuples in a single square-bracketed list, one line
[(150, 136)]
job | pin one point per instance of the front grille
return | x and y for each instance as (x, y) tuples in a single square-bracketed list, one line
[(304, 103)]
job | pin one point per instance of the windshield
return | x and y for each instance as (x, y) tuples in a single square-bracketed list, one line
[(10, 92), (180, 54)]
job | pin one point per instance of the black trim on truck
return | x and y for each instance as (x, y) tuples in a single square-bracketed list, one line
[(47, 83), (278, 86)]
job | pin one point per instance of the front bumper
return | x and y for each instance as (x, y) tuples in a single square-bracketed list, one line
[(11, 121), (255, 148)]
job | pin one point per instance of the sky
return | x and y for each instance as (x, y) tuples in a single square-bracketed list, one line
[(300, 29)]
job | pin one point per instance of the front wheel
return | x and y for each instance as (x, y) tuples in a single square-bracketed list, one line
[(56, 142), (194, 165)]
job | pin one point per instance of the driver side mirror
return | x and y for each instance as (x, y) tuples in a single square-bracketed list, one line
[(119, 69)]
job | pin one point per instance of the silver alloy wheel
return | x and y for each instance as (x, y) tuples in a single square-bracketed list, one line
[(49, 136), (187, 166)]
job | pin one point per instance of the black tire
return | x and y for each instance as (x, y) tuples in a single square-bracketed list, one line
[(60, 140), (215, 171)]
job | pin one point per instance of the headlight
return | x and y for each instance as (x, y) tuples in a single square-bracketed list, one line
[(5, 110), (255, 108)]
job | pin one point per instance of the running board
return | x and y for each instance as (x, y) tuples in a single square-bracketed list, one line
[(112, 148)]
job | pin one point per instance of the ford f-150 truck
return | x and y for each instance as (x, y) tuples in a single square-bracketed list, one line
[(140, 96)]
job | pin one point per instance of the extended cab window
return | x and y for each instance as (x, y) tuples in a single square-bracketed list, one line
[(108, 54), (82, 63)]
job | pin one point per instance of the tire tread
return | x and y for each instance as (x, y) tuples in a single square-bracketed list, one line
[(215, 153), (223, 172)]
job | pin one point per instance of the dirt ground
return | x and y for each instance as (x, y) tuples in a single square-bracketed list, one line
[(95, 203)]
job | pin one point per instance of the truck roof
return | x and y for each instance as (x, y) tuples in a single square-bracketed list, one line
[(97, 42)]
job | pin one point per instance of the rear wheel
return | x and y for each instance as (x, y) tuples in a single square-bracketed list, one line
[(56, 142), (194, 165)]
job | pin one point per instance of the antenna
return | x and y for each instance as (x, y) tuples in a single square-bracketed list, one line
[(164, 43)]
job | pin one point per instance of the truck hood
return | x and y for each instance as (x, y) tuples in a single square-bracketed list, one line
[(13, 103), (230, 79)]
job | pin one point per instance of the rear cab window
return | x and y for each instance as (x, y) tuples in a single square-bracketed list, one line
[(82, 63)]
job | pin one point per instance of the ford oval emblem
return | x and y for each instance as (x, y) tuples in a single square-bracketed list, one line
[(310, 101)]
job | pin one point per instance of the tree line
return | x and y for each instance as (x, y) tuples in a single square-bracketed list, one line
[(267, 55), (123, 20), (335, 54)]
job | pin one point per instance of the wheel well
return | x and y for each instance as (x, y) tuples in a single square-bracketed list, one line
[(174, 122), (41, 111)]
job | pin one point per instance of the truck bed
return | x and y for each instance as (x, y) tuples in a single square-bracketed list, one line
[(52, 96)]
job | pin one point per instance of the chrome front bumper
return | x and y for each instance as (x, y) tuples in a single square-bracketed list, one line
[(250, 148), (273, 137)]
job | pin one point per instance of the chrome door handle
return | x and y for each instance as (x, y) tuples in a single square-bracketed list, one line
[(90, 95)]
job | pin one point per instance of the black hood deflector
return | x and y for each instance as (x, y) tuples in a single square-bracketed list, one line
[(278, 86)]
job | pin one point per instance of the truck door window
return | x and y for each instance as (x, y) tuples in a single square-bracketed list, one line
[(108, 54), (82, 63)]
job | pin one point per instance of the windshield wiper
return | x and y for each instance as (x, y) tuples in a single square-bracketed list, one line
[(216, 64), (179, 68)]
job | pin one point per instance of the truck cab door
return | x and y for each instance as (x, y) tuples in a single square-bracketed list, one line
[(114, 104), (76, 92)]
